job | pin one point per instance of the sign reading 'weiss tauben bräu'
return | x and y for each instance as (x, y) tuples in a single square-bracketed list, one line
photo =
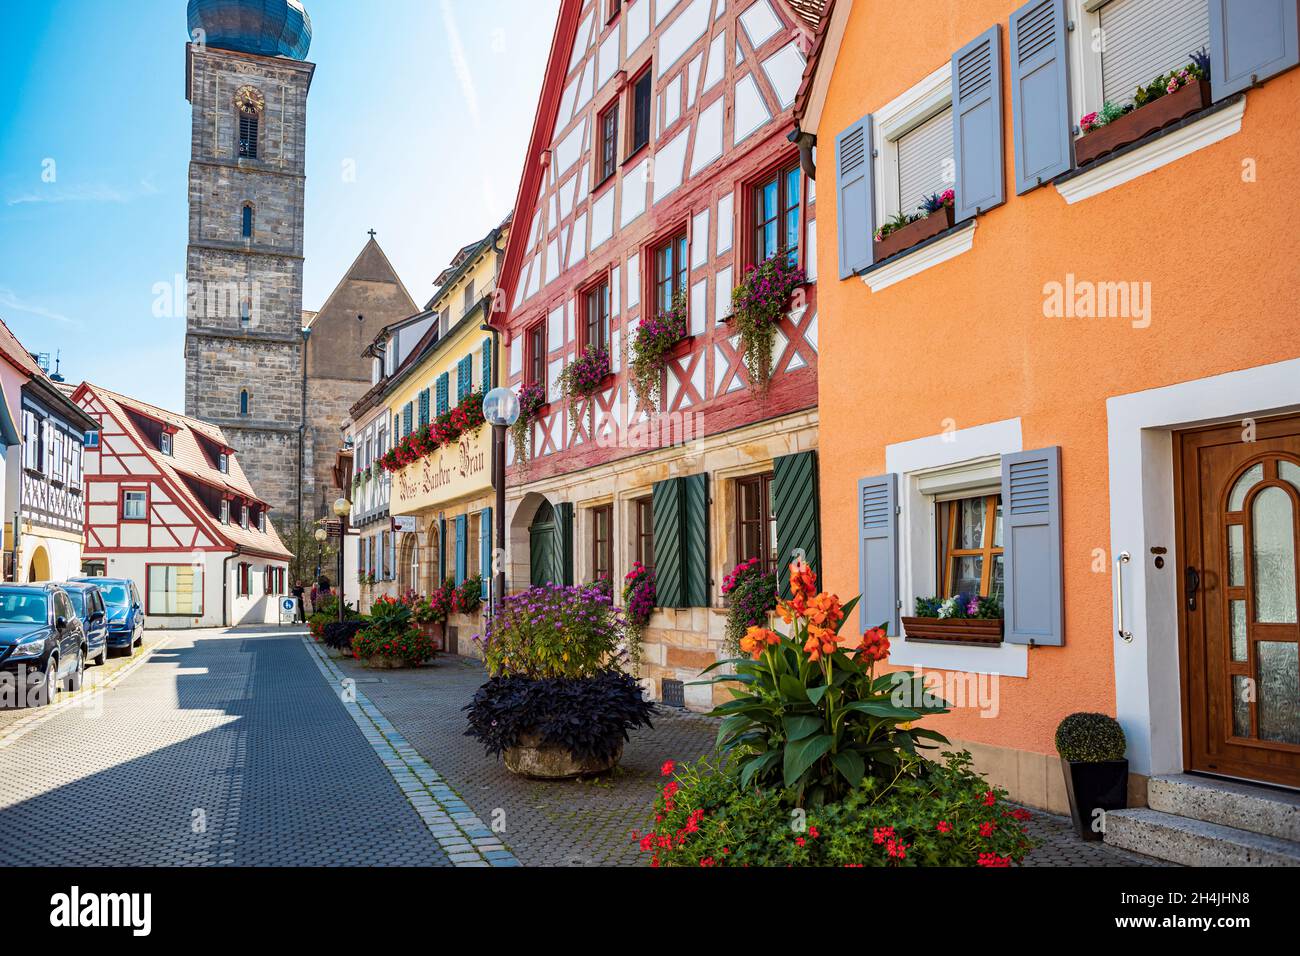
[(451, 472)]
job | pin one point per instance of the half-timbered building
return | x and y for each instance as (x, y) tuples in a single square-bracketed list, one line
[(168, 506), (659, 170)]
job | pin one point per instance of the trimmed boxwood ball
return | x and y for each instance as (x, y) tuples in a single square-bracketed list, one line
[(588, 716), (1090, 738)]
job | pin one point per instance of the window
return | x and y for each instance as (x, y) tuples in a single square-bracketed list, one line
[(596, 316), (776, 216), (924, 161), (645, 530), (248, 123), (970, 546), (225, 511), (671, 272), (165, 443), (243, 403), (223, 461), (1142, 39), (640, 112), (607, 157), (135, 505), (245, 312), (261, 520), (537, 355), (245, 579), (755, 521), (57, 469), (602, 542), (246, 225), (91, 439), (33, 430), (175, 589), (74, 464), (469, 296), (243, 516), (611, 9)]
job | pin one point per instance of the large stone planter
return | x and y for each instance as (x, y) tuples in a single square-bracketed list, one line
[(385, 663), (337, 653), (532, 758)]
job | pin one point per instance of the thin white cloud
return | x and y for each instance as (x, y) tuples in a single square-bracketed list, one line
[(83, 192), (11, 300), (461, 65)]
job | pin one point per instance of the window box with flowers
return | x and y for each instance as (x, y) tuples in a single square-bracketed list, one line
[(1162, 102), (582, 378), (656, 341), (757, 306), (465, 419), (532, 408), (977, 620), (905, 230)]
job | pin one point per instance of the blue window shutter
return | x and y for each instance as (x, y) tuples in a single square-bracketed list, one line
[(856, 206), (977, 125), (442, 394), (1250, 40), (797, 513), (1040, 93), (485, 550), (878, 552), (407, 414), (1034, 609), (464, 378), (487, 363), (462, 554), (397, 428), (424, 407), (442, 551)]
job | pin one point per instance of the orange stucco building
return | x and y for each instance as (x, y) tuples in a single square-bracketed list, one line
[(1109, 343)]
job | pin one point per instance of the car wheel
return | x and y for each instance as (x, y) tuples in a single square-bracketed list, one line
[(74, 679), (100, 659), (45, 692)]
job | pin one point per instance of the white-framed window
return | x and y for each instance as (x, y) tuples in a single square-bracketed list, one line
[(58, 462), (32, 433), (243, 516), (134, 505), (223, 463), (261, 521), (175, 589), (1120, 45), (74, 463), (914, 151), (225, 511), (165, 443)]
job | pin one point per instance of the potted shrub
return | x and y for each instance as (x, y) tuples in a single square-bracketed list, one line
[(820, 765), (582, 378), (467, 598), (532, 405), (974, 620), (337, 636), (904, 230), (657, 339), (392, 639), (751, 597), (757, 306), (430, 616), (556, 704), (638, 605), (1167, 99), (1091, 747)]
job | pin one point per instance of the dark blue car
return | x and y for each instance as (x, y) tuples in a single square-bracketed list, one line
[(88, 602), (124, 609), (42, 643)]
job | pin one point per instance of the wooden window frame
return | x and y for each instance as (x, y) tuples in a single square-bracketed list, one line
[(948, 552), (602, 280), (764, 480), (535, 358), (602, 550), (650, 276), (747, 238), (135, 491), (643, 509), (612, 10), (605, 173), (633, 146)]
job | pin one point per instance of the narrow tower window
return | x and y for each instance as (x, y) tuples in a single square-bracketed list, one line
[(248, 135), (246, 226), (243, 402)]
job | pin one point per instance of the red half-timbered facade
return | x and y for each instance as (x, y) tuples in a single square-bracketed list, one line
[(660, 164), (168, 505)]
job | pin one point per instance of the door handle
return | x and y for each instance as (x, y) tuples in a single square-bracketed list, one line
[(1192, 580), (1121, 559)]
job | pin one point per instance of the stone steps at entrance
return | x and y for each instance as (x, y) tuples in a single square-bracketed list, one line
[(1194, 842), (1229, 803)]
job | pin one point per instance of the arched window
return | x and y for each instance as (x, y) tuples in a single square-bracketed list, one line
[(246, 227), (243, 402)]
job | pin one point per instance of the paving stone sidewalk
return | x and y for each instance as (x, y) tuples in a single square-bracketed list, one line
[(590, 823)]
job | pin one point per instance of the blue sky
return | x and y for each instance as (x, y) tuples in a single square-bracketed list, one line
[(431, 99)]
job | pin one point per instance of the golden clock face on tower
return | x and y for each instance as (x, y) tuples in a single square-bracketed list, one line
[(250, 100)]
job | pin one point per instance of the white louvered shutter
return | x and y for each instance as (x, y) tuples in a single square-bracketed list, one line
[(924, 155), (1145, 38)]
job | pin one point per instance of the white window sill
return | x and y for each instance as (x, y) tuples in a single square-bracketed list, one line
[(1005, 660), (1109, 173), (917, 260)]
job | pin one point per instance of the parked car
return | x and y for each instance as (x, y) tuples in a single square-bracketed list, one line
[(125, 611), (88, 602), (42, 641)]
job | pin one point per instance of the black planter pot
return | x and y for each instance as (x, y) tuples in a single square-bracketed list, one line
[(1092, 787)]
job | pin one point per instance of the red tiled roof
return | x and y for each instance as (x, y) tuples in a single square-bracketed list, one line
[(811, 11), (18, 356), (810, 67)]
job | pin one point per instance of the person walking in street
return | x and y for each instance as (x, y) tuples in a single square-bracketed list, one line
[(299, 612)]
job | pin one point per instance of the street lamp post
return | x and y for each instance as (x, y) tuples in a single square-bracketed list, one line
[(342, 508), (320, 536), (501, 410)]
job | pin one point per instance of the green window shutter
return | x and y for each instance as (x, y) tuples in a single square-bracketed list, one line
[(797, 511), (564, 534), (397, 428), (485, 551), (424, 407), (666, 507), (695, 540), (442, 394), (487, 363), (408, 412), (464, 378)]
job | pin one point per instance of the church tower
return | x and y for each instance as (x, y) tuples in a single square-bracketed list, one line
[(247, 81)]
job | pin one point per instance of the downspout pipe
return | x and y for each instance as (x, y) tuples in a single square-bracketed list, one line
[(806, 142), (225, 587)]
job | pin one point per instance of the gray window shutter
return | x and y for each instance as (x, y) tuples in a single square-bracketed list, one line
[(977, 125), (856, 206), (1040, 93), (1251, 40), (798, 522), (878, 552), (1031, 507), (695, 539), (666, 505)]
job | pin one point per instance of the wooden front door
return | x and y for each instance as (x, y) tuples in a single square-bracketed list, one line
[(1239, 535)]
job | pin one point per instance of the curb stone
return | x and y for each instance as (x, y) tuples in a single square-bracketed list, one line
[(439, 806)]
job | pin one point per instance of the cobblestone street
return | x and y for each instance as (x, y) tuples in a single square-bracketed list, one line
[(244, 748)]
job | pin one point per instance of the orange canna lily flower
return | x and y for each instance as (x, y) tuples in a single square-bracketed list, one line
[(825, 611), (803, 581), (757, 639)]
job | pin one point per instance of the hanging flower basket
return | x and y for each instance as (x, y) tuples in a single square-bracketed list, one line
[(757, 306), (582, 378), (532, 407), (652, 346)]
